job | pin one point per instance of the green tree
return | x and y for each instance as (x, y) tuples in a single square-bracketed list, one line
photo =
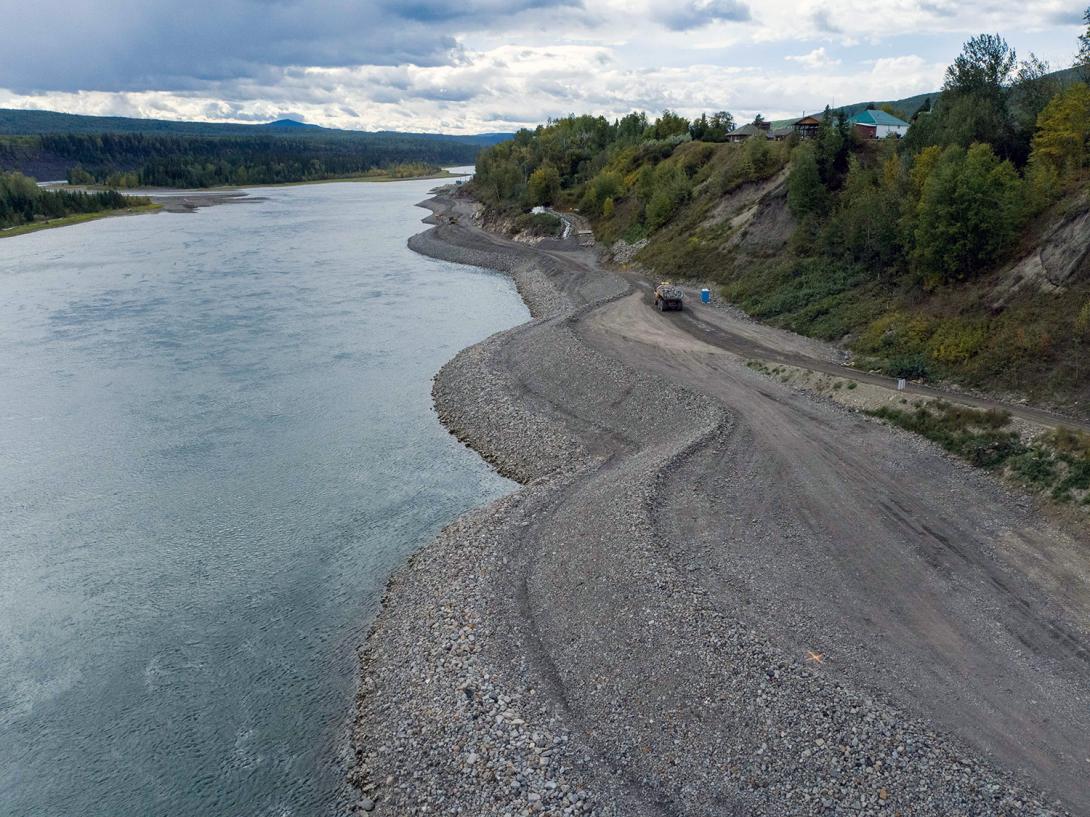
[(757, 155), (544, 185), (892, 111), (606, 185), (806, 195), (712, 128), (969, 214), (865, 228), (1082, 62), (668, 125), (983, 67), (645, 184), (631, 128), (1063, 131), (77, 175), (974, 105), (1034, 85), (833, 146), (698, 128)]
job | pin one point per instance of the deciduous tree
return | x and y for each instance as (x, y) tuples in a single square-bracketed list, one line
[(806, 194), (968, 215), (544, 185), (1063, 130)]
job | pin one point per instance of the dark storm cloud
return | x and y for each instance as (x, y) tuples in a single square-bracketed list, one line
[(1067, 17), (133, 45), (697, 13)]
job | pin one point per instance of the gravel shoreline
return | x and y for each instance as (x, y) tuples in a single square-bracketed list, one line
[(549, 654)]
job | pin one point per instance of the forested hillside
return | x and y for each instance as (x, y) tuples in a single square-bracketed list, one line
[(14, 122), (132, 152), (960, 252)]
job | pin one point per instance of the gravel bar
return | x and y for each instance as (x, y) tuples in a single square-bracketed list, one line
[(550, 654)]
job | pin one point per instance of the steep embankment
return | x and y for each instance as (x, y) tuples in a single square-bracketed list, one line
[(713, 595)]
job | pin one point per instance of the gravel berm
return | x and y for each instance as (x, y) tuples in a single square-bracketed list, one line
[(689, 608)]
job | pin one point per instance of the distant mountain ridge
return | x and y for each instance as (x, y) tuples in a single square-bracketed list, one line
[(16, 122), (289, 124)]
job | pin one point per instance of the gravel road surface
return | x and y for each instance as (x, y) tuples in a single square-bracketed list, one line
[(714, 595)]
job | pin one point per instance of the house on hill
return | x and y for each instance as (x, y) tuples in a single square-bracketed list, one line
[(806, 127), (875, 124), (746, 131)]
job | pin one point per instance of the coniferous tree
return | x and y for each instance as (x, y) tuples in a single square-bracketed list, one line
[(1083, 60)]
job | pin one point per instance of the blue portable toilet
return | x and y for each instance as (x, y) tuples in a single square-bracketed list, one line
[(706, 295)]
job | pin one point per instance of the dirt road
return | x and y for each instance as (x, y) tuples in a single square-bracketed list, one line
[(740, 599)]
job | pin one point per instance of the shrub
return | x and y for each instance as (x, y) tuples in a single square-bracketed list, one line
[(1036, 467), (974, 435), (910, 367), (608, 184), (672, 190), (538, 224), (954, 342)]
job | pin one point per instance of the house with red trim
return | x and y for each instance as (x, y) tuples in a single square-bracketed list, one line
[(876, 124)]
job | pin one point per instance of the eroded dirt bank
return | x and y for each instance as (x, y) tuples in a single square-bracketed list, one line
[(714, 595)]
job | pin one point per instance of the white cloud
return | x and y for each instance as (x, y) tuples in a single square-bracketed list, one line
[(510, 87), (479, 65), (818, 58)]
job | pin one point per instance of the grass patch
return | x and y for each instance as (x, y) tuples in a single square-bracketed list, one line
[(1058, 463), (75, 218), (806, 295), (978, 436)]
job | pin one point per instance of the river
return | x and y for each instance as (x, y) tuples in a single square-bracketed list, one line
[(216, 443)]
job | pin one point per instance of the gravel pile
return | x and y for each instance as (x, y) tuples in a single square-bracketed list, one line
[(549, 654), (439, 732)]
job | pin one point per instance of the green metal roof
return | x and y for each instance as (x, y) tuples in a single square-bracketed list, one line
[(875, 117)]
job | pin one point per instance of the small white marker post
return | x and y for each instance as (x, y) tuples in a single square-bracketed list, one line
[(900, 384)]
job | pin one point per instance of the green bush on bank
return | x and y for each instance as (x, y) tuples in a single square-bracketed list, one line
[(538, 224), (1057, 463)]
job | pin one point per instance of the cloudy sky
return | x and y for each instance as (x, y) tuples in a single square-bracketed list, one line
[(466, 66)]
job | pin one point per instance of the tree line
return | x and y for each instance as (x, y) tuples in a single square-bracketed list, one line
[(22, 201), (178, 160)]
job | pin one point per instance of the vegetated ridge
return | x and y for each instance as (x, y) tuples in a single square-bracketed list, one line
[(959, 253), (128, 152)]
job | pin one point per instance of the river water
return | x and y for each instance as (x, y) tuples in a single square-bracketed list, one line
[(216, 442)]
